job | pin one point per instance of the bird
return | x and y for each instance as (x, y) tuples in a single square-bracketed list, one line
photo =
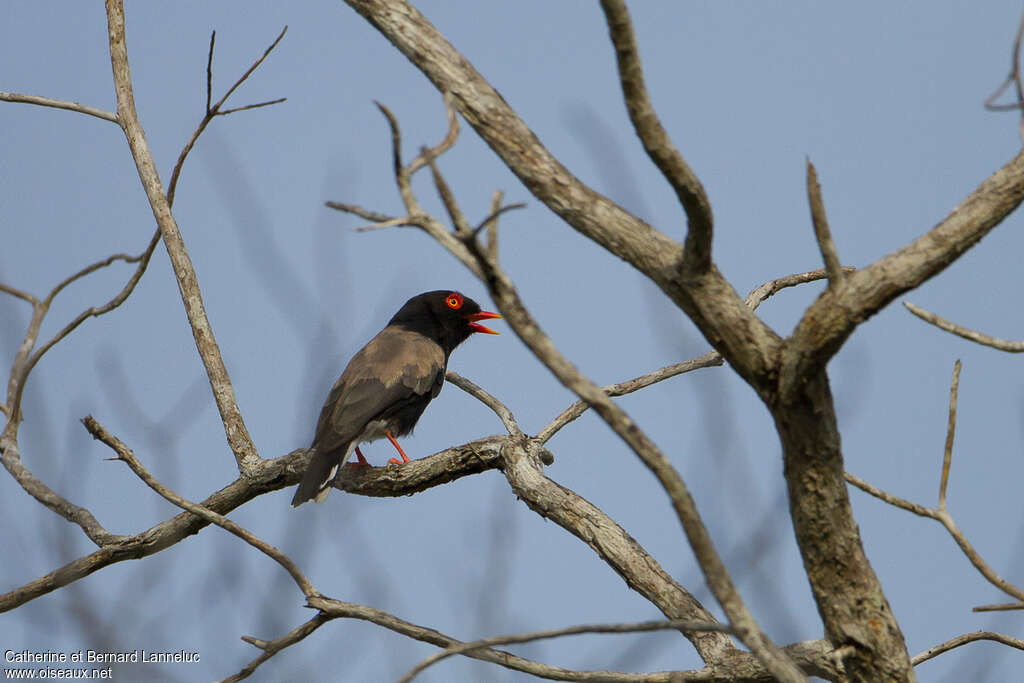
[(387, 385)]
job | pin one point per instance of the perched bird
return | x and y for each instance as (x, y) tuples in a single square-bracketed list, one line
[(388, 383)]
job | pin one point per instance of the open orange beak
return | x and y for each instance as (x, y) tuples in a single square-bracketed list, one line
[(482, 315)]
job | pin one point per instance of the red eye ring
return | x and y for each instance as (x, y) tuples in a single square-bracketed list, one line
[(454, 301)]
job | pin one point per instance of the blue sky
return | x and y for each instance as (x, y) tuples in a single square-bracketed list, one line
[(886, 99)]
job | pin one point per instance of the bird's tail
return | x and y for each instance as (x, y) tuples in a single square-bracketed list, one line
[(316, 482)]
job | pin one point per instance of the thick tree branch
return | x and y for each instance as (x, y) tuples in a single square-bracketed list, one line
[(488, 113), (656, 141), (830, 320), (710, 359), (745, 342), (715, 573), (238, 437)]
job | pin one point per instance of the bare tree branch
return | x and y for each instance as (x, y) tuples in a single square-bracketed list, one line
[(359, 211), (271, 475), (272, 647), (1015, 79), (126, 455), (35, 487), (821, 230), (715, 572), (499, 408), (429, 154), (524, 326), (942, 323), (645, 626), (963, 640), (656, 141), (940, 513), (246, 455), (1002, 607), (17, 293), (759, 295), (947, 455), (830, 320), (58, 104), (215, 110), (708, 360), (459, 224), (93, 311)]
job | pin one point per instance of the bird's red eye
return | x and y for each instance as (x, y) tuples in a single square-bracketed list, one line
[(454, 301)]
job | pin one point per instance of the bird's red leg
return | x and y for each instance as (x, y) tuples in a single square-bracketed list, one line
[(396, 461), (360, 461)]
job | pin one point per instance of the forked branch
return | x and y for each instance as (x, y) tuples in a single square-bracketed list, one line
[(940, 513)]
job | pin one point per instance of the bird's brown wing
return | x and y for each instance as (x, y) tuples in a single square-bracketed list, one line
[(395, 369)]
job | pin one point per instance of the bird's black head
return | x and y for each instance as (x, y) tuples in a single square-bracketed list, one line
[(443, 315)]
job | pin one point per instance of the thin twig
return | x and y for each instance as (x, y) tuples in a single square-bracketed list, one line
[(499, 408), (709, 359), (963, 640), (715, 572), (272, 647), (58, 104), (247, 107), (641, 627), (345, 610), (1001, 607), (15, 292), (495, 213), (35, 487), (248, 72), (947, 455), (215, 110), (459, 223), (959, 330), (209, 69), (821, 229), (94, 311), (401, 175), (1013, 78), (895, 501), (761, 294), (428, 154), (125, 454), (92, 268), (392, 223), (360, 211), (492, 225)]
